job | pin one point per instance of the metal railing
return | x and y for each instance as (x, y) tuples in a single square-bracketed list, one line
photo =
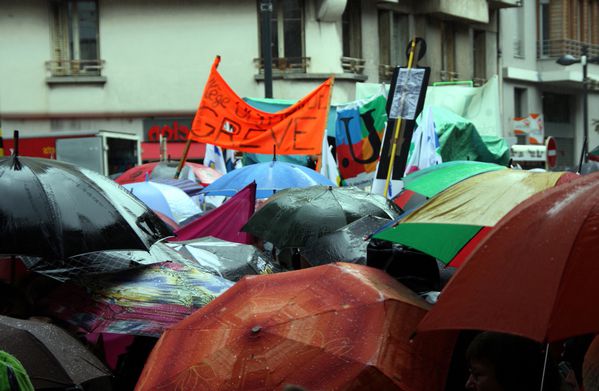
[(386, 72), (75, 67), (518, 48), (285, 64), (353, 65), (559, 47), (449, 75)]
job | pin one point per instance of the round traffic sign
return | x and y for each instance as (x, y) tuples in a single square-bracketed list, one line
[(551, 154)]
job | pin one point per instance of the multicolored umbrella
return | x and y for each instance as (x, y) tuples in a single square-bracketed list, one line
[(448, 222), (294, 216), (191, 171), (136, 302), (270, 177), (333, 327), (536, 273), (428, 182), (594, 154)]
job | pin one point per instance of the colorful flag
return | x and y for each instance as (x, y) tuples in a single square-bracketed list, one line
[(213, 158), (359, 130), (424, 147), (226, 120), (226, 221), (327, 166), (531, 126)]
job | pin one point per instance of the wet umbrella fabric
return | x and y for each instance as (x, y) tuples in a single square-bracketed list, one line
[(191, 171), (51, 357), (294, 216), (227, 259), (426, 183), (101, 262), (449, 221), (169, 200), (270, 177), (347, 244), (535, 275), (332, 327), (56, 210), (136, 302)]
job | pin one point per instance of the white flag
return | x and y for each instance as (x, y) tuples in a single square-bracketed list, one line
[(328, 165), (214, 158), (424, 145)]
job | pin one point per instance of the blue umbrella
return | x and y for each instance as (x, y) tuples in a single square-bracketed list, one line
[(270, 177)]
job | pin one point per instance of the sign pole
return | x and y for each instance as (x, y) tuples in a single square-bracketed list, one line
[(398, 125)]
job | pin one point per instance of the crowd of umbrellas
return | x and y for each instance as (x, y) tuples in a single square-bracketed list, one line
[(281, 284)]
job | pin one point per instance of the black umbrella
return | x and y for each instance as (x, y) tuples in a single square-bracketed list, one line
[(52, 358), (347, 244), (56, 210), (294, 216), (227, 259)]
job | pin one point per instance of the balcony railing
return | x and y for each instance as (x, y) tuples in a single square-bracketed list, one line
[(353, 65), (75, 67), (386, 72), (449, 75), (559, 47), (285, 64)]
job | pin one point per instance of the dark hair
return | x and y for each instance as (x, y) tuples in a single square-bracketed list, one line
[(518, 362)]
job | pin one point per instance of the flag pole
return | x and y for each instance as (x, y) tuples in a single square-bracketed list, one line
[(326, 119), (398, 124), (188, 143)]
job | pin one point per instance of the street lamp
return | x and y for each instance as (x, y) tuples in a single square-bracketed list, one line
[(569, 59)]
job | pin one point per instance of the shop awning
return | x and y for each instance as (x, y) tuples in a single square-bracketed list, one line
[(151, 151)]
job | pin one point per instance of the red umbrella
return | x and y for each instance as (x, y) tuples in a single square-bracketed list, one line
[(535, 274), (194, 171), (334, 327)]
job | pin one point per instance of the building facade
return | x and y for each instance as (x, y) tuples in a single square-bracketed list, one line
[(533, 37), (136, 67)]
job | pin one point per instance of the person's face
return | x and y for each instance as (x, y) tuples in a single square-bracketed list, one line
[(482, 377)]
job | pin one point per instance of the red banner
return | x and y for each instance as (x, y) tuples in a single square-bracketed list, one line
[(226, 120)]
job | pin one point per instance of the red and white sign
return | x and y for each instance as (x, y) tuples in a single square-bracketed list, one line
[(551, 152)]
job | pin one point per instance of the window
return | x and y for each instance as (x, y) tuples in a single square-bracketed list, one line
[(448, 66), (556, 107), (287, 29), (394, 36), (352, 31), (75, 38), (543, 28), (519, 33), (479, 49), (520, 104)]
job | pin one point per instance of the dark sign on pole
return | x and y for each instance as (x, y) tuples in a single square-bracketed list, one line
[(405, 100)]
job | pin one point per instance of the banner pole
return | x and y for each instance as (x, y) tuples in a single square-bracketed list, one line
[(188, 143), (326, 119), (398, 125)]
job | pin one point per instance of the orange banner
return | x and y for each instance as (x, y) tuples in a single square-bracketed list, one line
[(226, 120)]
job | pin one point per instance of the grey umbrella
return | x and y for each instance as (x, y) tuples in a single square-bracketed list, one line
[(52, 358)]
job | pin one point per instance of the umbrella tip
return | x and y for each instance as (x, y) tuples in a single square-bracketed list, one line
[(256, 329)]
